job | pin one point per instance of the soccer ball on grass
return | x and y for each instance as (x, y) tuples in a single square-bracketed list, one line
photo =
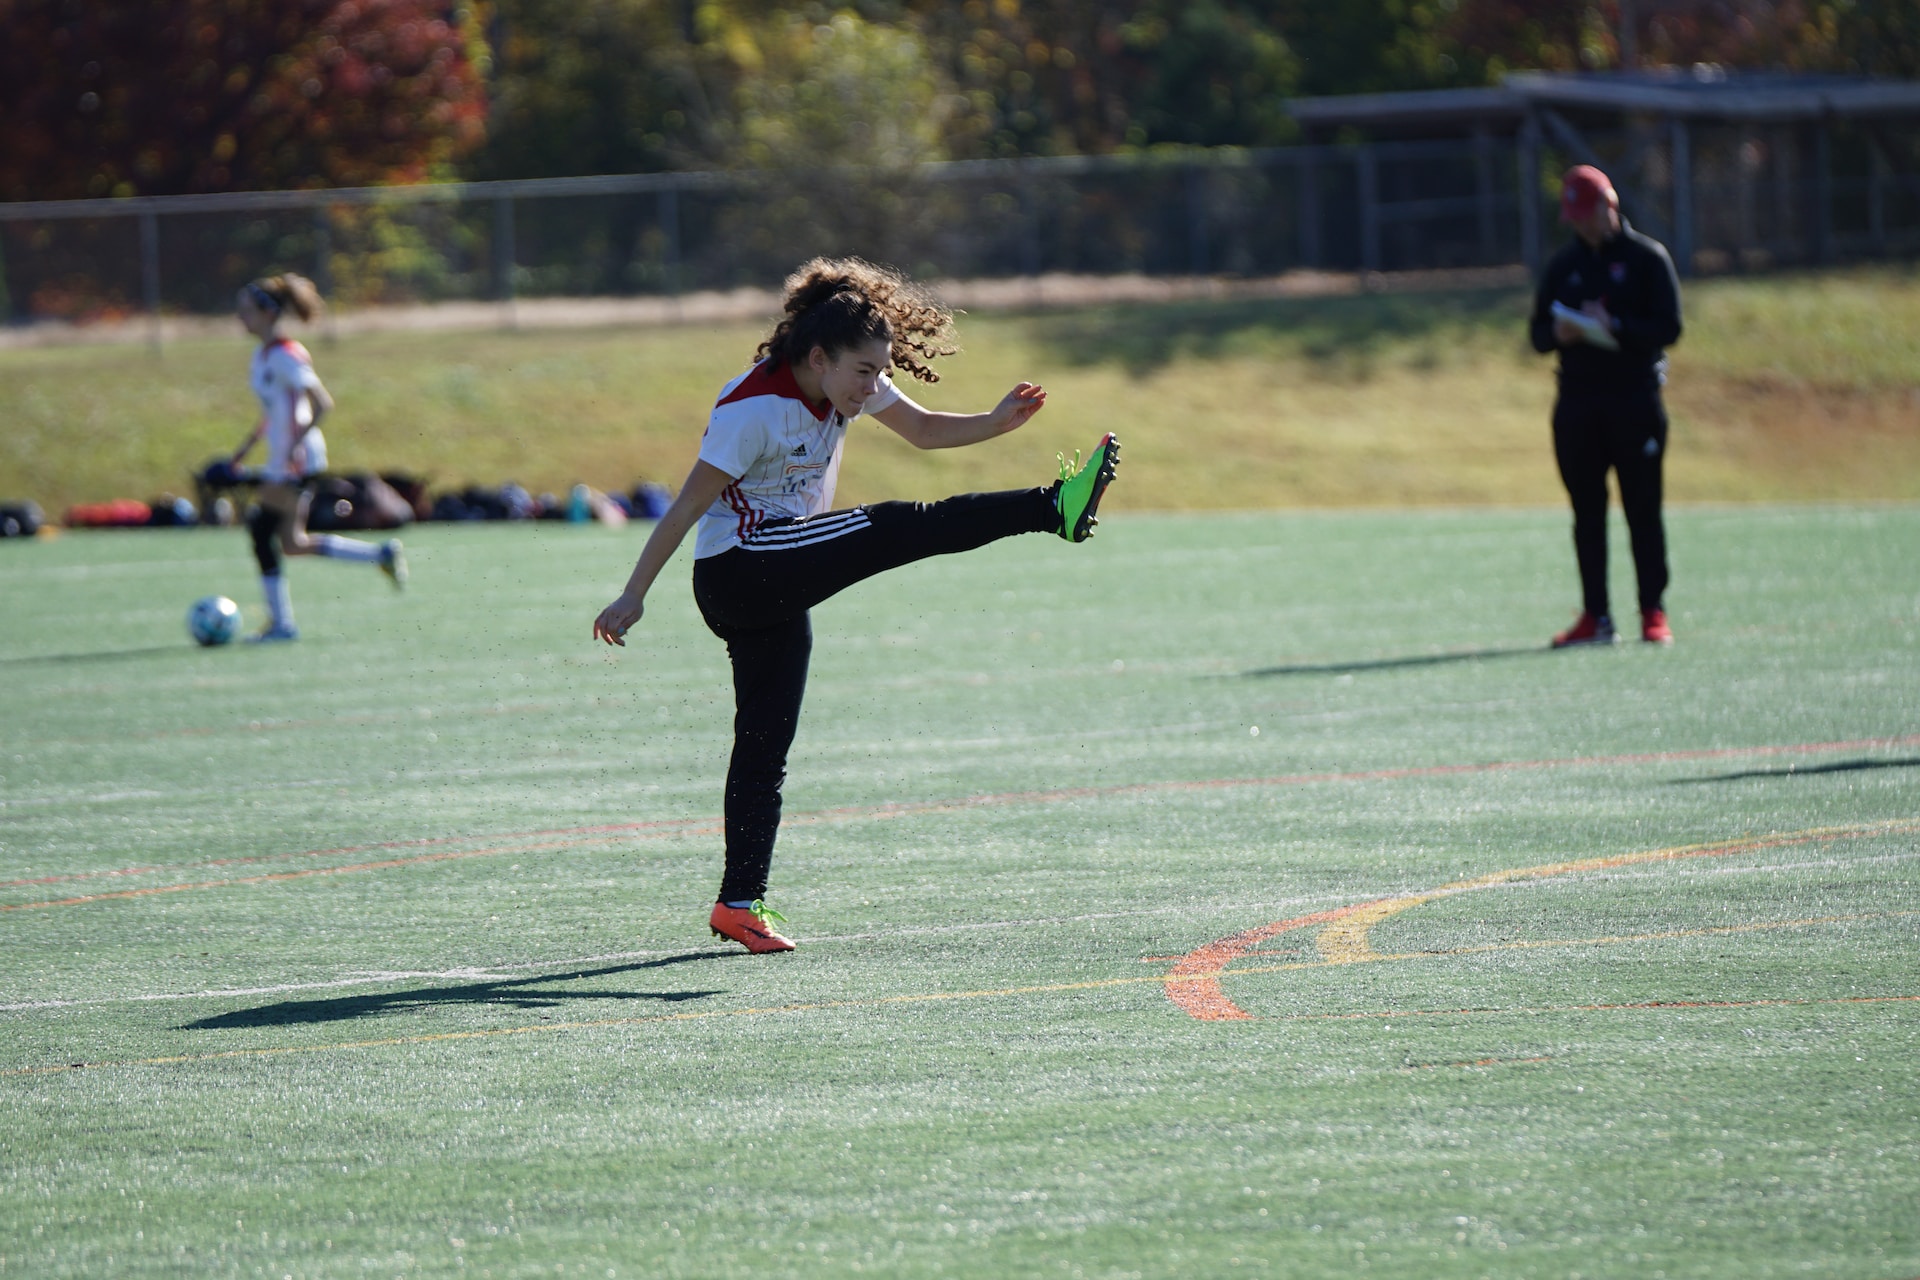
[(213, 620)]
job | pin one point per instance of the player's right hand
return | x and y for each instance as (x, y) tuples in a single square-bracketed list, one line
[(1017, 406), (616, 620)]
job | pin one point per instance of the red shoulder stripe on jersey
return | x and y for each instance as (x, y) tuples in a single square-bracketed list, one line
[(293, 348), (769, 379)]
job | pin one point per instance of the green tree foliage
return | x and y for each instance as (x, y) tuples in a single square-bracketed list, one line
[(168, 96), (1063, 76), (844, 91), (602, 86), (623, 85), (1871, 37), (1486, 38)]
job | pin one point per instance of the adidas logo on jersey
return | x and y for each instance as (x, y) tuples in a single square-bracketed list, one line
[(800, 450)]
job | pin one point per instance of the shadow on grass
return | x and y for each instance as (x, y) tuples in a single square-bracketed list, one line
[(1347, 329), (512, 993), (1394, 664), (98, 655), (1794, 771)]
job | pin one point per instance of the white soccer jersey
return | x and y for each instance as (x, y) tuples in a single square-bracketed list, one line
[(785, 451), (282, 376)]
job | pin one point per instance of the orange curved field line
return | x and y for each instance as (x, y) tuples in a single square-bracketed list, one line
[(1193, 984)]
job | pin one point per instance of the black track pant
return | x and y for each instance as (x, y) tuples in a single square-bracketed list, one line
[(756, 596), (1627, 434)]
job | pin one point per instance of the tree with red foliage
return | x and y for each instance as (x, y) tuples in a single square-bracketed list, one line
[(162, 97)]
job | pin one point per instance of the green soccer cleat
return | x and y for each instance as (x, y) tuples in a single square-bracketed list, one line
[(1077, 495)]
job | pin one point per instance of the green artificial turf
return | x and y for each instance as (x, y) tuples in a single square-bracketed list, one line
[(385, 953)]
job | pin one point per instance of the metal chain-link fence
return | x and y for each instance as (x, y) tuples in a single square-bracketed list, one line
[(1750, 200)]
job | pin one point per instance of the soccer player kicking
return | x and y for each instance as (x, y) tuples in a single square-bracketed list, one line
[(292, 402), (769, 549)]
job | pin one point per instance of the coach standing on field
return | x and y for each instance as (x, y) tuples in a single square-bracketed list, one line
[(1609, 303)]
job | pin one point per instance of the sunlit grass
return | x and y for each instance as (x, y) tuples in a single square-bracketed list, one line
[(1785, 387)]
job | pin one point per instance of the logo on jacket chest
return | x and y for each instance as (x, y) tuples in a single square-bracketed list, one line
[(1617, 272)]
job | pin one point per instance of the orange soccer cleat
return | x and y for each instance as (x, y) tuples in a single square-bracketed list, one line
[(751, 927), (1654, 628)]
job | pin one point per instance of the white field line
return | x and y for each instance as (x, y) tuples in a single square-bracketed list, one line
[(503, 971), (1758, 868), (364, 978)]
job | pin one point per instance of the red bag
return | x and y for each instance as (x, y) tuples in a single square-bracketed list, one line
[(120, 513)]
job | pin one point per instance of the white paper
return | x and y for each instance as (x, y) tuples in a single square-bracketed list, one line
[(1590, 328)]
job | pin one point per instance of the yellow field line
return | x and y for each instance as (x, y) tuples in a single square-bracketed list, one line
[(1346, 940), (1193, 984), (1374, 957), (1047, 989)]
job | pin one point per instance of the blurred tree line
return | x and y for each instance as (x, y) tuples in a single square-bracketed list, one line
[(603, 86), (121, 97)]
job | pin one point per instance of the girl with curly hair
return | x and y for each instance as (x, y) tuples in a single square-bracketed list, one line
[(769, 548), (292, 402)]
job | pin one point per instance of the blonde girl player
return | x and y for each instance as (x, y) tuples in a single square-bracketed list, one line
[(292, 402), (769, 549)]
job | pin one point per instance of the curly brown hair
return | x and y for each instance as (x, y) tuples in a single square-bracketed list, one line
[(837, 303), (291, 292)]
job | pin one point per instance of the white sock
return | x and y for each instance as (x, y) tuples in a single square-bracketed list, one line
[(279, 599), (335, 547)]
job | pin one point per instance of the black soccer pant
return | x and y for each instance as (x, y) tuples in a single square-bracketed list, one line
[(756, 596), (1626, 434)]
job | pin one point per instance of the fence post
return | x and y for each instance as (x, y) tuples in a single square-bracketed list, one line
[(1369, 207), (1483, 189), (1876, 196), (1529, 161), (1779, 146), (503, 254), (323, 267), (669, 215), (1682, 142), (1029, 223), (1309, 207), (150, 274), (1821, 193), (1196, 220)]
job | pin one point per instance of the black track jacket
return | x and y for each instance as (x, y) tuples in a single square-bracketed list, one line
[(1633, 275)]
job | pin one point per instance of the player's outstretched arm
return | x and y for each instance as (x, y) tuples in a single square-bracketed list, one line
[(929, 429), (701, 491)]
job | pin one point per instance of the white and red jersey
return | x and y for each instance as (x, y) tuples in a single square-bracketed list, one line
[(282, 376), (784, 449)]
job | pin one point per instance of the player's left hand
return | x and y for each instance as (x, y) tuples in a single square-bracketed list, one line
[(1598, 310), (617, 619), (1017, 406)]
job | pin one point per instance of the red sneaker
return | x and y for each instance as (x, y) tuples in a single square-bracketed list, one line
[(751, 927), (1587, 629), (1654, 628)]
